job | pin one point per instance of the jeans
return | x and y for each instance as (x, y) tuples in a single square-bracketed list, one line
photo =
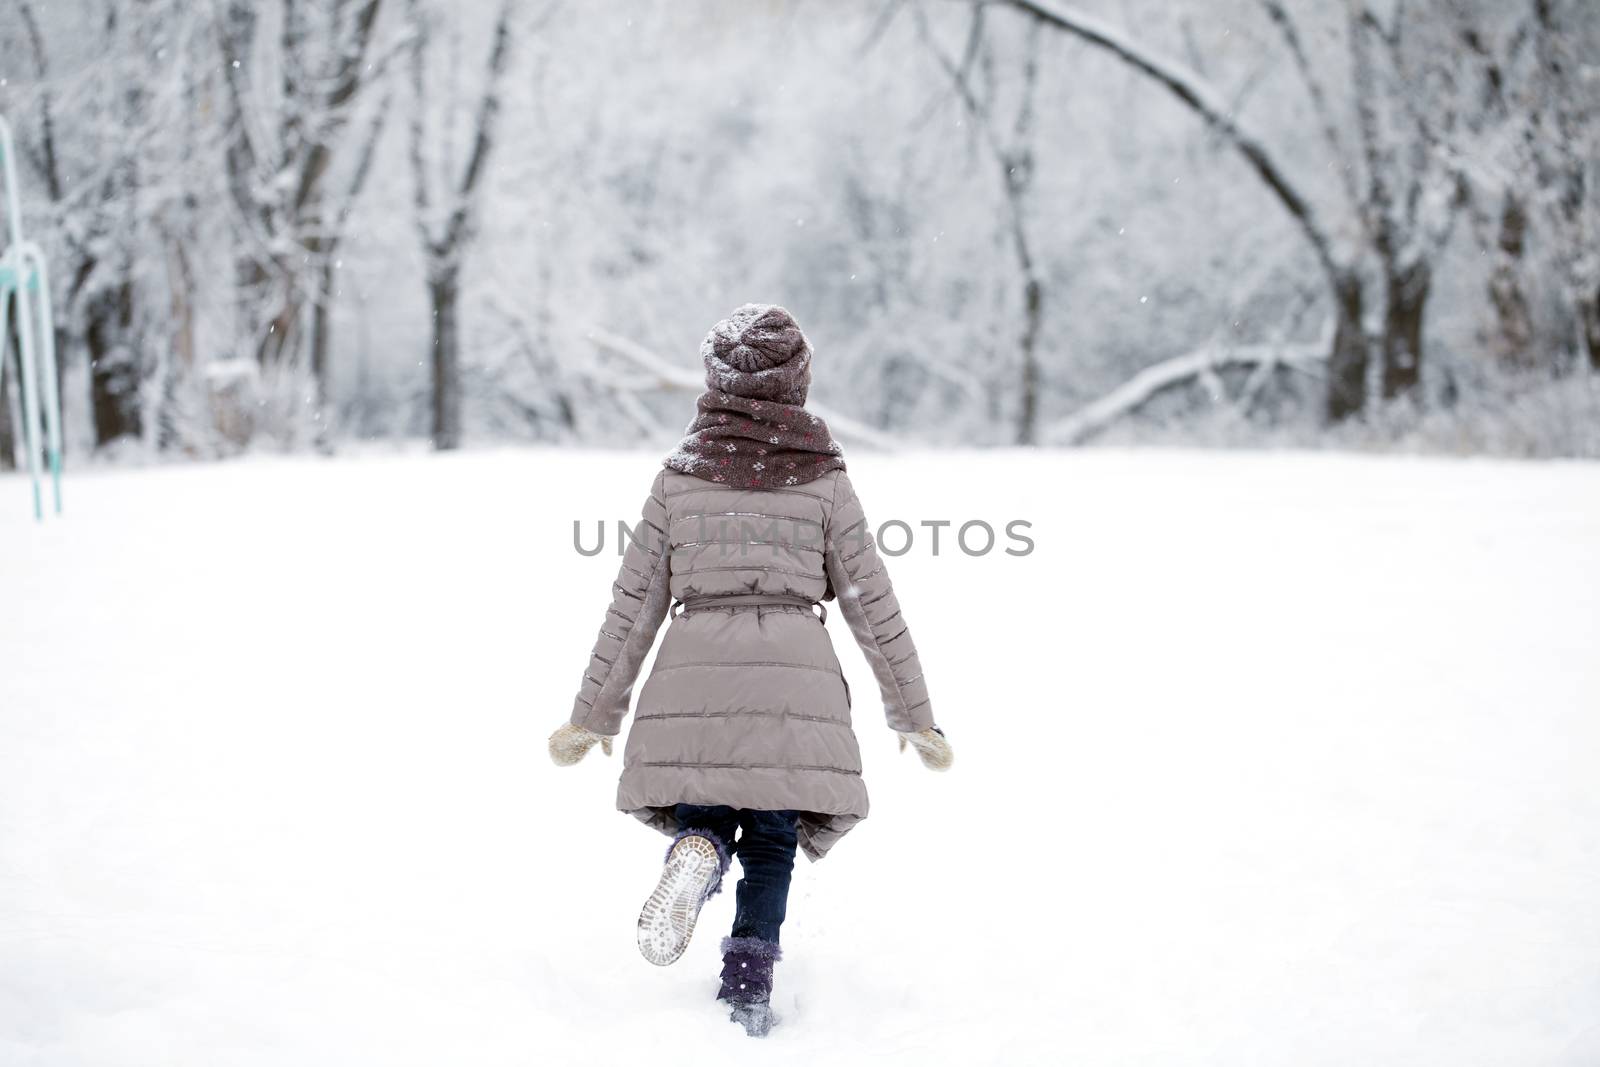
[(765, 849)]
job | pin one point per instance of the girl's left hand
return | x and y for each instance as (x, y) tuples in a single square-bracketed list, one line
[(936, 753)]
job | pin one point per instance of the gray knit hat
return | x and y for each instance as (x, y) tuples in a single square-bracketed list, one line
[(759, 353)]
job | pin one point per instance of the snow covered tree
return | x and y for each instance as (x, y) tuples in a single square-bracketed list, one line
[(1009, 142), (114, 187), (288, 103), (1564, 137), (1400, 189), (1001, 222), (446, 219)]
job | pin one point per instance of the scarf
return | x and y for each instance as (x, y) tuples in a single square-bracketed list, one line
[(755, 444)]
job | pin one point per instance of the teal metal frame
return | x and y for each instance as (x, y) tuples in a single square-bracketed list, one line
[(23, 274)]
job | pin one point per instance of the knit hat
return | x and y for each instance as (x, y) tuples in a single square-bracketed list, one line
[(758, 353)]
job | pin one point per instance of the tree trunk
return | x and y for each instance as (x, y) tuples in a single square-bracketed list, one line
[(1589, 313), (1512, 344), (445, 295), (114, 370), (179, 366), (277, 346), (321, 330), (1028, 417), (1407, 299), (1347, 363)]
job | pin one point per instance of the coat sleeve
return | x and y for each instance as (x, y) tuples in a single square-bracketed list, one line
[(867, 600), (639, 600)]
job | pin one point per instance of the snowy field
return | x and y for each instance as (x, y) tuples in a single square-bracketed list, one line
[(1261, 760)]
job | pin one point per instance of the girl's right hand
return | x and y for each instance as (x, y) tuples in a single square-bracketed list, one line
[(570, 743)]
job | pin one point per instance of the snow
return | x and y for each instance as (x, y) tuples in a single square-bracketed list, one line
[(1259, 760)]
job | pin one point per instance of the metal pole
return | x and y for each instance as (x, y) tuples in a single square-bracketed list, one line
[(29, 375), (47, 368), (28, 372), (29, 380), (5, 322)]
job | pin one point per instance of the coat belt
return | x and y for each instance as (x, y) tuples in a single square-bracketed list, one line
[(746, 600)]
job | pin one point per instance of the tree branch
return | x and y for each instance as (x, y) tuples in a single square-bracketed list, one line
[(48, 162), (1207, 103), (668, 376), (879, 27), (421, 198), (333, 105), (489, 104), (1280, 17), (1148, 383)]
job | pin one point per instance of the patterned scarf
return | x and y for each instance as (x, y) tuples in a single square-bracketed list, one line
[(755, 444)]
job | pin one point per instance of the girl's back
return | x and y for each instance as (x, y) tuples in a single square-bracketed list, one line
[(747, 705), (743, 727)]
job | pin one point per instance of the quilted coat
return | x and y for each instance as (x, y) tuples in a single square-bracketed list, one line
[(746, 704)]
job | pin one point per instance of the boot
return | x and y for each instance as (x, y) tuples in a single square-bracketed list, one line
[(692, 872), (747, 982)]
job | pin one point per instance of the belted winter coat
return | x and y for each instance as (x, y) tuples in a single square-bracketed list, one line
[(746, 704)]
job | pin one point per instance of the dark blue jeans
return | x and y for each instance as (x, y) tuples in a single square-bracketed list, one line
[(765, 849)]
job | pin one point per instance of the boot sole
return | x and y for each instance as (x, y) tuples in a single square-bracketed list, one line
[(667, 921)]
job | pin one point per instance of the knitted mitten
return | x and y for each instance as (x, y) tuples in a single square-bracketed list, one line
[(936, 753), (571, 743)]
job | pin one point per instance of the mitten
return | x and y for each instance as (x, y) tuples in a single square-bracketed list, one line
[(570, 743), (936, 753)]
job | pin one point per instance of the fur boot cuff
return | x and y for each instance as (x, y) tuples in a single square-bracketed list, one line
[(722, 855), (752, 946)]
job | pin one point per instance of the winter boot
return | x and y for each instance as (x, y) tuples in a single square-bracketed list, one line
[(693, 872), (747, 982)]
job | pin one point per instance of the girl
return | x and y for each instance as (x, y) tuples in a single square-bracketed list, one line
[(742, 743)]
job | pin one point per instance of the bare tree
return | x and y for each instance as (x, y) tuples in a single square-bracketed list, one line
[(1405, 209), (1565, 138), (1347, 364), (118, 117), (1531, 143), (1413, 187), (1010, 145), (283, 138), (1499, 186), (324, 248), (446, 221)]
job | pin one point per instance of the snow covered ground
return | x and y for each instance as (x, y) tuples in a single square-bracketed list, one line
[(1261, 759)]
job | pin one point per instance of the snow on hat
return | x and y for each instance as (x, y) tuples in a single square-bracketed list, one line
[(759, 353)]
